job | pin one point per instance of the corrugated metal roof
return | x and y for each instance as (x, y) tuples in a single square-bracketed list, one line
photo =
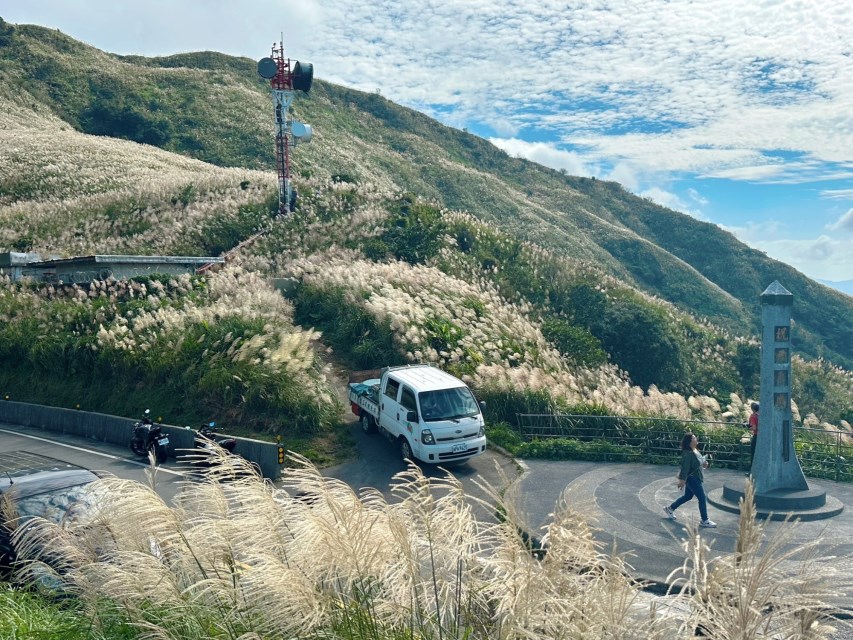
[(113, 259)]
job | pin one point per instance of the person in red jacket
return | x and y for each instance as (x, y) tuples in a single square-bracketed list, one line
[(752, 425)]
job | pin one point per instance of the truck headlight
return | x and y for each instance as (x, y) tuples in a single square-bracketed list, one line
[(426, 437), (482, 432)]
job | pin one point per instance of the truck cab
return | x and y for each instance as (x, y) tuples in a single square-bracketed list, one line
[(431, 415)]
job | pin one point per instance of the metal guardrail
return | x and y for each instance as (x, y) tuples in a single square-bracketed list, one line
[(822, 454), (117, 430)]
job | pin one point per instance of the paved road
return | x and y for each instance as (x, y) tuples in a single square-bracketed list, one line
[(377, 464), (378, 460), (97, 456), (626, 500)]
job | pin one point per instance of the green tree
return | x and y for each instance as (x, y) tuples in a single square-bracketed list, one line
[(574, 342), (640, 341)]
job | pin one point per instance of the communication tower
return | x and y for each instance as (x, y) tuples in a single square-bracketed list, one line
[(285, 80)]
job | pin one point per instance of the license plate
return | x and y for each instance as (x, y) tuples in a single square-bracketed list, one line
[(459, 447), (163, 441)]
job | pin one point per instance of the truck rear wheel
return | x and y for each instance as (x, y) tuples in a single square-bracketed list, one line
[(406, 449), (368, 424)]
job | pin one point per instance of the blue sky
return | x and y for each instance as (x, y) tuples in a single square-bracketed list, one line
[(737, 113)]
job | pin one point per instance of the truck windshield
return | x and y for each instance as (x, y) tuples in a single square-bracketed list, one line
[(447, 404)]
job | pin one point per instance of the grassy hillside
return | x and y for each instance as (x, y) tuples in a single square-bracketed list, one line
[(214, 108), (412, 242)]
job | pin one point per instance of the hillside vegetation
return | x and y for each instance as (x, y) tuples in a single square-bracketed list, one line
[(412, 242)]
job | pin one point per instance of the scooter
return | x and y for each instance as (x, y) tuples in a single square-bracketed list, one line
[(206, 446), (206, 439), (148, 436), (216, 455)]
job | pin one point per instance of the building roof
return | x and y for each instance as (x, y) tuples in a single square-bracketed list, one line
[(113, 259), (17, 258)]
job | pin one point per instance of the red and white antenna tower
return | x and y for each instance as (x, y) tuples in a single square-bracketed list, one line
[(285, 80)]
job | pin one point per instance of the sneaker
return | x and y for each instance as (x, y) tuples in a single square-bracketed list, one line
[(670, 513), (708, 524)]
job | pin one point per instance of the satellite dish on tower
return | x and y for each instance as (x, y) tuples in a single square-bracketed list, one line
[(303, 75), (267, 68), (301, 132)]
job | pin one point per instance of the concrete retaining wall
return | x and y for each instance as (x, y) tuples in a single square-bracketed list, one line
[(116, 430)]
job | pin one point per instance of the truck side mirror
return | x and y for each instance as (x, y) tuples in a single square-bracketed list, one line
[(412, 416), (482, 404)]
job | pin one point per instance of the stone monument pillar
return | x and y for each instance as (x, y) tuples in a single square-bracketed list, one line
[(781, 490), (775, 465)]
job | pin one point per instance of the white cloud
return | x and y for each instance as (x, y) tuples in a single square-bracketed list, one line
[(754, 232), (697, 197), (545, 154), (668, 199), (844, 223), (752, 174), (837, 194), (829, 258), (821, 257), (626, 175)]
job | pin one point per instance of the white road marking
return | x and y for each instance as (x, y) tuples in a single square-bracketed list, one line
[(160, 469)]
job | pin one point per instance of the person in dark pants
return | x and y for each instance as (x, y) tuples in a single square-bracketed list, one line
[(752, 425), (690, 479)]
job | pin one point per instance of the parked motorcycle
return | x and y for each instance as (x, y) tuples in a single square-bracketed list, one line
[(148, 436), (217, 455), (206, 439)]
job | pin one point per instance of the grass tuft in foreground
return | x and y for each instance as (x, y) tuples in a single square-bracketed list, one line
[(237, 558)]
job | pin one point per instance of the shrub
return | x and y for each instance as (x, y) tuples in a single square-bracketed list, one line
[(639, 340), (506, 406), (503, 435), (574, 342), (196, 347), (414, 231)]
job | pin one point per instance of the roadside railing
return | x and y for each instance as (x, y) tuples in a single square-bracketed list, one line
[(822, 454)]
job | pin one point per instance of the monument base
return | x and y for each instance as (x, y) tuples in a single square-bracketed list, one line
[(779, 504)]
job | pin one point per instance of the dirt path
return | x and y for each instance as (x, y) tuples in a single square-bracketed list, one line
[(338, 379)]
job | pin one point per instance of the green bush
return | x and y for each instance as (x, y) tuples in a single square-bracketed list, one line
[(26, 614), (220, 234), (574, 342), (414, 230), (640, 340), (588, 433), (503, 406), (568, 449), (503, 435), (186, 374)]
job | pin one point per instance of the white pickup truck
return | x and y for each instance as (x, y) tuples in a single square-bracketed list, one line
[(430, 415)]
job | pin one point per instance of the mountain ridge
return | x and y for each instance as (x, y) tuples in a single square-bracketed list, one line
[(693, 264)]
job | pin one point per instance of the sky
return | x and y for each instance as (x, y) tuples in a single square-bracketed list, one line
[(736, 113)]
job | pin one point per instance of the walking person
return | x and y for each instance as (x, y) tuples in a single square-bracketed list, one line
[(690, 479)]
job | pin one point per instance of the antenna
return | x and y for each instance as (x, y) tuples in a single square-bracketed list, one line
[(285, 79)]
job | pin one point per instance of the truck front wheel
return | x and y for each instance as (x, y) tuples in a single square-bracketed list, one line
[(406, 450), (368, 424)]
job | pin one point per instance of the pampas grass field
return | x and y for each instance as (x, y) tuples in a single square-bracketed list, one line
[(236, 557)]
